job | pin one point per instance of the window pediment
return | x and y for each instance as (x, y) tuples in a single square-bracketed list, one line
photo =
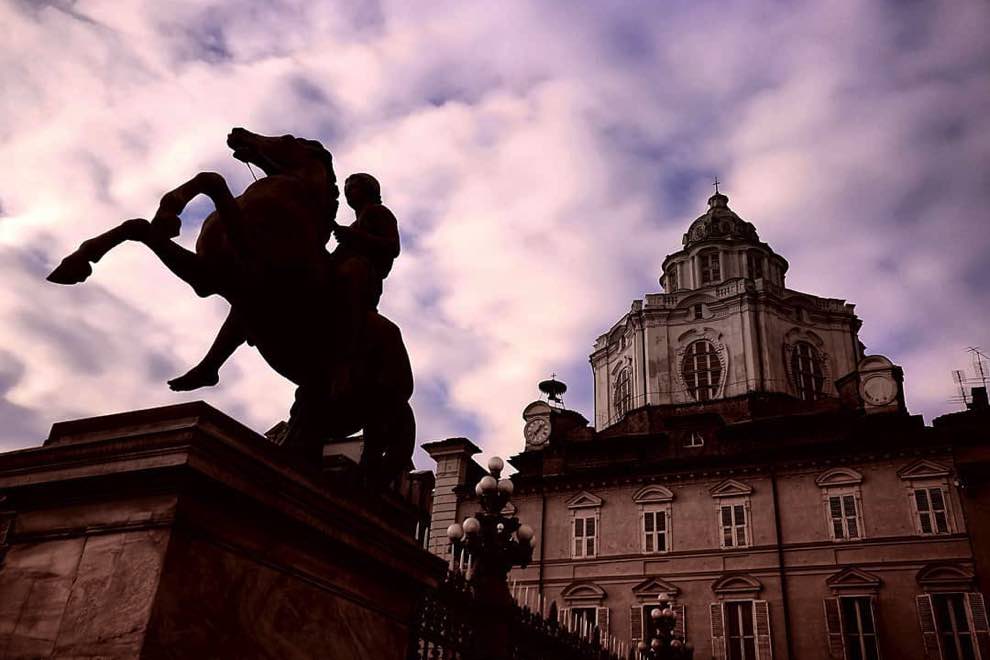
[(584, 592), (584, 500), (945, 577), (653, 495), (737, 585), (731, 488), (650, 588), (853, 579), (839, 477), (923, 469)]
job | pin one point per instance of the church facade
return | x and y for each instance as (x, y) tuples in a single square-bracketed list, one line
[(748, 458), (725, 326)]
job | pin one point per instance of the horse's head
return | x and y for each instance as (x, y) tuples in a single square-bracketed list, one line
[(285, 155)]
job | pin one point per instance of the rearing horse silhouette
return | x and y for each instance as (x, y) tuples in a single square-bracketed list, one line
[(265, 253)]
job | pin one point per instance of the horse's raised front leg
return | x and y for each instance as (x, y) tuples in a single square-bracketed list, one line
[(185, 264), (156, 235), (76, 267), (166, 221)]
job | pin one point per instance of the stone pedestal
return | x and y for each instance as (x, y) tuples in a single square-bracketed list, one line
[(177, 532)]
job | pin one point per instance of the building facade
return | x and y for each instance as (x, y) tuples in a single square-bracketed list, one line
[(750, 459)]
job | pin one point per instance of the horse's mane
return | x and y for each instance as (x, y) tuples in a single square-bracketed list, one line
[(327, 160), (324, 157)]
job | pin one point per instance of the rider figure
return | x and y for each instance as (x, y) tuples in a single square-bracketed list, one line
[(360, 262)]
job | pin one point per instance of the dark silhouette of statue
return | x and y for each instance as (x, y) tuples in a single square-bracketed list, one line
[(311, 313)]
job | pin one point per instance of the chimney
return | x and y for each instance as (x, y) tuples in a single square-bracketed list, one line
[(979, 399)]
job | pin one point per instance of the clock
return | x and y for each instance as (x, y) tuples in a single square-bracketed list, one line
[(879, 389), (537, 432)]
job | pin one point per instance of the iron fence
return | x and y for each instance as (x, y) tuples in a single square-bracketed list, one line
[(449, 620)]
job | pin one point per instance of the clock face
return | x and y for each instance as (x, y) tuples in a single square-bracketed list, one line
[(879, 390), (537, 431)]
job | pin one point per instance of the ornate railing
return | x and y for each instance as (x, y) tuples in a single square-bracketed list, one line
[(449, 618)]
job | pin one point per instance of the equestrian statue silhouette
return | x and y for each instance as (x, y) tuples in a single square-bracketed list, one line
[(311, 313)]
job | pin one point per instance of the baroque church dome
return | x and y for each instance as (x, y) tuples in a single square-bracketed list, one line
[(720, 222)]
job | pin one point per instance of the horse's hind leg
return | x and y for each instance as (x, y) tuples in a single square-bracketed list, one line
[(389, 440), (185, 264)]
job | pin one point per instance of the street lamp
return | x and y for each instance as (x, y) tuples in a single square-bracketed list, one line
[(665, 645), (494, 544)]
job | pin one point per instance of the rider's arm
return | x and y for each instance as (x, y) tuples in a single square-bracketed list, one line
[(378, 233)]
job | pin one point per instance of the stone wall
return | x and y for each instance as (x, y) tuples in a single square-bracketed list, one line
[(178, 533)]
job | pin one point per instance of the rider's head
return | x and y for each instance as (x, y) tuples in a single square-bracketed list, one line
[(362, 189)]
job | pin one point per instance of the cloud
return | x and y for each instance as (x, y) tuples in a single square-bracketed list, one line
[(542, 160)]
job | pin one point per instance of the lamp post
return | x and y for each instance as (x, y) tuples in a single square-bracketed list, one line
[(494, 543), (664, 645)]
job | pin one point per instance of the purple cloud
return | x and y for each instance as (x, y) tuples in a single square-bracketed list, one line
[(542, 159)]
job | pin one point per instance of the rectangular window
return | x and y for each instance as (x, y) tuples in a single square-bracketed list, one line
[(932, 516), (711, 270), (740, 637), (583, 616), (733, 522), (655, 531), (952, 625), (672, 279), (859, 633), (584, 536), (844, 516)]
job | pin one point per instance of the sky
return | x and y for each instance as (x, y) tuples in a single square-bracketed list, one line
[(542, 158)]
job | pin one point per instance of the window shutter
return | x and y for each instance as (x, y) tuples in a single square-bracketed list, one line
[(876, 624), (680, 625), (833, 628), (718, 632), (978, 610), (636, 623), (929, 634), (603, 621), (761, 621)]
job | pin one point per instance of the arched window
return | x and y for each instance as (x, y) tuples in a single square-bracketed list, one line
[(711, 268), (806, 365), (702, 370), (672, 279), (622, 395)]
